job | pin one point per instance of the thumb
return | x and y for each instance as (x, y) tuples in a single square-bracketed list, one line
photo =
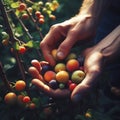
[(85, 87), (65, 47), (80, 92)]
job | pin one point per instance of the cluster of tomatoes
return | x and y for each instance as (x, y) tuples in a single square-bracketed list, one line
[(65, 74), (12, 98), (38, 10)]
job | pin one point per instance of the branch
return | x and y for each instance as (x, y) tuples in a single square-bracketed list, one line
[(4, 78), (12, 37)]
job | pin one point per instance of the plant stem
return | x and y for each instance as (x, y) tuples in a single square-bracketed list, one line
[(34, 21), (23, 26), (12, 38), (4, 78)]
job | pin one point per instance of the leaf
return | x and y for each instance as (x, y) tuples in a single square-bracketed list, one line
[(30, 44), (37, 44), (16, 46), (15, 5)]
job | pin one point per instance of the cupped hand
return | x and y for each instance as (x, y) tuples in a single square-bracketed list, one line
[(38, 80), (92, 67), (94, 61)]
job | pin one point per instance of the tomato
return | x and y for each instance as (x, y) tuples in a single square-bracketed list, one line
[(72, 86), (20, 85), (25, 16), (37, 14), (52, 17), (26, 99), (10, 98), (22, 50), (5, 42), (32, 106), (41, 21), (41, 16), (22, 7)]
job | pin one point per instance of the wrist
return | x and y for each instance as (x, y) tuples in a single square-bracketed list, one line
[(110, 45)]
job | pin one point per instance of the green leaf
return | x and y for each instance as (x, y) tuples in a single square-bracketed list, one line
[(30, 44), (15, 5), (5, 35), (16, 46), (36, 44)]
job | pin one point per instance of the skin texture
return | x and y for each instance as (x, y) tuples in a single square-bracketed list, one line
[(65, 35)]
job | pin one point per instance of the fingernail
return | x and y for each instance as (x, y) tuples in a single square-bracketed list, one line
[(76, 98), (60, 55)]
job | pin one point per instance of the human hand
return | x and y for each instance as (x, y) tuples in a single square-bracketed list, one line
[(64, 35), (93, 65), (92, 68), (96, 58)]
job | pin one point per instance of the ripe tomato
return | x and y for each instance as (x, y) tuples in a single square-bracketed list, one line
[(41, 21), (72, 86), (10, 98), (26, 99), (37, 14), (41, 16), (20, 85), (22, 50), (22, 7)]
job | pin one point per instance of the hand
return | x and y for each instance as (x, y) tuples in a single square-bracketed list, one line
[(97, 57), (64, 35), (38, 80), (92, 66)]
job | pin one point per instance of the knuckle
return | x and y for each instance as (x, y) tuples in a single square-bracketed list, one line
[(42, 44), (56, 27)]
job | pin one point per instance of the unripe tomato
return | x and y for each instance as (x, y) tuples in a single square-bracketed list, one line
[(40, 3), (10, 98), (32, 106), (52, 17), (20, 85), (25, 16), (30, 9), (5, 42)]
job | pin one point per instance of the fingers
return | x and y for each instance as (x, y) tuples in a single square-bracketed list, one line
[(36, 64), (35, 73), (50, 42), (58, 93), (47, 54), (66, 46)]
